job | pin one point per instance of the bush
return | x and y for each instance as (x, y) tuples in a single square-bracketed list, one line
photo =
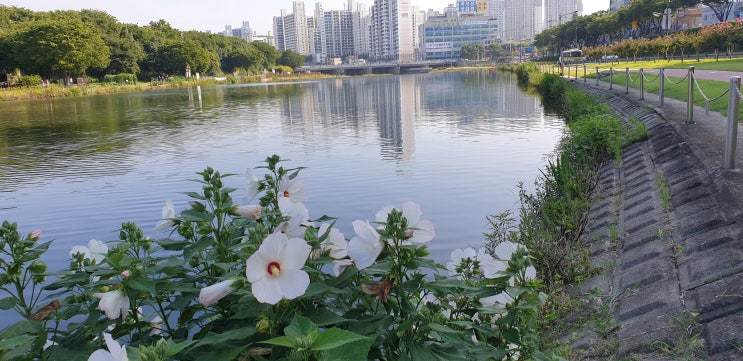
[(122, 78), (265, 281), (31, 80)]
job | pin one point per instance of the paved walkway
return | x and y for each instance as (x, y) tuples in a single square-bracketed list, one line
[(667, 227)]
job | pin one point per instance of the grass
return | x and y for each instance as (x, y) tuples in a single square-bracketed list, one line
[(674, 88)]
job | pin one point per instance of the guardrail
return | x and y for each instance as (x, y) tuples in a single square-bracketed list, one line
[(734, 95)]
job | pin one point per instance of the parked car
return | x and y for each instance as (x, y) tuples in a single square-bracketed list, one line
[(609, 58)]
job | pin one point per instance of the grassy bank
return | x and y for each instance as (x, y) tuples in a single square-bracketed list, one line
[(60, 91), (554, 217)]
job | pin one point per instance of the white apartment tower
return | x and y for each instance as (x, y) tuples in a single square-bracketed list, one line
[(392, 31), (291, 31), (519, 19), (557, 12)]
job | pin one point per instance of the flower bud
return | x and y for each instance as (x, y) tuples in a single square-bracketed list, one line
[(126, 274), (252, 212)]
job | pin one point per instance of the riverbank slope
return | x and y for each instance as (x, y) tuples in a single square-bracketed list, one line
[(666, 226)]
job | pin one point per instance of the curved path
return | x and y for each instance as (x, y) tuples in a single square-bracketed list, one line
[(666, 225)]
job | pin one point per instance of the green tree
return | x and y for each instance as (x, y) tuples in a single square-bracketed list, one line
[(291, 59), (269, 55), (174, 58), (64, 47)]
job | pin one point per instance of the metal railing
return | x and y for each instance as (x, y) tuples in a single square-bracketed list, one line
[(734, 98)]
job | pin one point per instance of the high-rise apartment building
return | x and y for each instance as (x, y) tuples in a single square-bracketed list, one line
[(339, 33), (291, 31), (520, 19), (245, 32), (392, 31), (557, 12)]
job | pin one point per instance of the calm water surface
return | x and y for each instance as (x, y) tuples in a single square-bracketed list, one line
[(457, 143)]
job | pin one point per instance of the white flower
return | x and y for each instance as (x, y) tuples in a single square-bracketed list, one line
[(168, 216), (275, 270), (365, 247), (252, 212), (298, 218), (457, 256), (115, 351), (212, 294), (420, 229), (502, 299), (95, 251), (335, 242), (251, 186), (113, 304), (491, 267), (292, 189), (156, 325), (505, 250)]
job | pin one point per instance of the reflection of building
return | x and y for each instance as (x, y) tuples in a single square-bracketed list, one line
[(443, 36)]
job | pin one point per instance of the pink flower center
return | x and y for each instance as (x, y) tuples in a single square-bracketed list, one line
[(274, 269), (286, 194), (409, 233)]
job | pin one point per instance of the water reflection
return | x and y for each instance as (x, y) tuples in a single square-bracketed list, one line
[(455, 142)]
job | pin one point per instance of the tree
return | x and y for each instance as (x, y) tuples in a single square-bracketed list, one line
[(173, 58), (721, 8), (268, 54), (64, 47), (291, 59)]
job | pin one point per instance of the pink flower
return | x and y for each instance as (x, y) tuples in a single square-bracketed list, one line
[(275, 270)]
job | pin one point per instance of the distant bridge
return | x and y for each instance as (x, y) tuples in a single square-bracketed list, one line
[(379, 67)]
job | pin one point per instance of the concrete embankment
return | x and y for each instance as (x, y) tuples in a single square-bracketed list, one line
[(666, 226)]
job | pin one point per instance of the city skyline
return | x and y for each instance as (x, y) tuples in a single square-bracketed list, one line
[(191, 15)]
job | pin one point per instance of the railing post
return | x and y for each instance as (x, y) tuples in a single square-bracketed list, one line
[(690, 101), (584, 73), (597, 76), (661, 89), (642, 84), (626, 80), (611, 78), (732, 136), (576, 71)]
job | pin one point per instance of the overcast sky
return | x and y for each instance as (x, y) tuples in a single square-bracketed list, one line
[(213, 15)]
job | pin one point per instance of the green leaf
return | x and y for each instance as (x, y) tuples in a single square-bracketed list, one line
[(218, 338), (192, 215), (142, 284), (285, 341), (8, 303), (441, 328), (16, 341), (353, 351), (300, 326), (335, 337), (195, 195)]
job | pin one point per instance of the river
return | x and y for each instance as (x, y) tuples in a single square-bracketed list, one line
[(458, 143)]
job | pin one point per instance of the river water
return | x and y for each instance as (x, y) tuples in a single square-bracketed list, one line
[(458, 143)]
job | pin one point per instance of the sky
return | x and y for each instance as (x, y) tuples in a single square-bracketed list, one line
[(213, 15)]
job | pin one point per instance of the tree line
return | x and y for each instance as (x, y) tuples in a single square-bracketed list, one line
[(642, 19), (66, 43)]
